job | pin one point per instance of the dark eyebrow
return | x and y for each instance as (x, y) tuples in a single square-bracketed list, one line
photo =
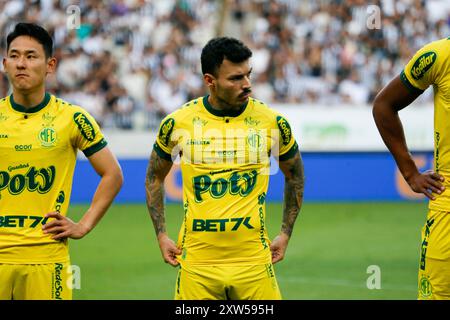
[(239, 75), (26, 51)]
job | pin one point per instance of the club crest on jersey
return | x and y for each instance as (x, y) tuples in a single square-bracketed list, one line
[(166, 131), (255, 141), (425, 287), (285, 130), (422, 64), (47, 137), (85, 126)]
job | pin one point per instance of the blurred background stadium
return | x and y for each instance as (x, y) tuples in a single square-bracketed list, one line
[(321, 63)]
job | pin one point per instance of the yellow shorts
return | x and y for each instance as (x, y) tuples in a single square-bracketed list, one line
[(434, 267), (219, 282), (51, 281)]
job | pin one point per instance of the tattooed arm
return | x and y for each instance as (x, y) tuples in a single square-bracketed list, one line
[(293, 198), (157, 170)]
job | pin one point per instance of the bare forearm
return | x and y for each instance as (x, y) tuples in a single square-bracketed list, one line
[(392, 133), (388, 102), (107, 190), (293, 194)]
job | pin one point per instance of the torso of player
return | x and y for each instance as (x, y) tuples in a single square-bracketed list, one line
[(442, 126), (225, 164), (37, 160)]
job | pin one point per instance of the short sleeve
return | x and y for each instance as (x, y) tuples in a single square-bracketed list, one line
[(287, 146), (88, 137), (422, 70), (165, 143)]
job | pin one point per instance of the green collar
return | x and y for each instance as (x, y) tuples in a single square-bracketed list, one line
[(34, 109), (223, 113)]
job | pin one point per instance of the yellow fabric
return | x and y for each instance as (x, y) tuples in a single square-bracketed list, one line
[(225, 168), (37, 160), (434, 267), (36, 282), (431, 66), (226, 282)]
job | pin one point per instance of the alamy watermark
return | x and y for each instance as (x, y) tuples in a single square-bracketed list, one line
[(73, 20), (373, 20), (74, 277), (374, 280)]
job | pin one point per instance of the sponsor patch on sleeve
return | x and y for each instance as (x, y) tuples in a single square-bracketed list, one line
[(285, 130), (422, 64), (165, 131), (85, 126)]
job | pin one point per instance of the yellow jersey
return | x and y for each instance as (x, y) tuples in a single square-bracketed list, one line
[(431, 66), (225, 166), (38, 148)]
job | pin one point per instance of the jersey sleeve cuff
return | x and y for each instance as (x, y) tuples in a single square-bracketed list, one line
[(95, 148), (161, 152), (290, 154), (409, 85)]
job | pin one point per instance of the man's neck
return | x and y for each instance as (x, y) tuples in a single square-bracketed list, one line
[(219, 104), (29, 100)]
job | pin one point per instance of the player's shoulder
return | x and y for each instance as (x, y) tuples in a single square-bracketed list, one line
[(264, 111), (75, 114), (261, 108), (440, 45), (69, 109), (432, 53), (65, 106)]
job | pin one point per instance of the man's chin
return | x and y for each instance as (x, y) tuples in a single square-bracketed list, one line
[(22, 86), (242, 100)]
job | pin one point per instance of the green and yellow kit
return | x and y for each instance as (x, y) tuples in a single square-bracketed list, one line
[(38, 150), (430, 66)]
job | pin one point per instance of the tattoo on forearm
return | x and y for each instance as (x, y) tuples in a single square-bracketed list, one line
[(156, 171), (293, 194)]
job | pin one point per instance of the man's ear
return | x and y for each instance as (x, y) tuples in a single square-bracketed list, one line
[(4, 67), (51, 65), (210, 80)]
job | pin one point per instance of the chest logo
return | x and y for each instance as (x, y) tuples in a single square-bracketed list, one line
[(3, 117), (48, 118), (47, 137), (197, 121), (255, 142), (249, 121)]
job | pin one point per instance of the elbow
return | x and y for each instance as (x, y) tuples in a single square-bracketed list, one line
[(377, 105), (380, 107), (117, 177)]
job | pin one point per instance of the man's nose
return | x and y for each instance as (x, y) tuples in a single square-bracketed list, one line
[(246, 83), (21, 63)]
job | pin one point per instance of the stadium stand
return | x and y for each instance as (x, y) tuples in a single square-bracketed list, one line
[(130, 62)]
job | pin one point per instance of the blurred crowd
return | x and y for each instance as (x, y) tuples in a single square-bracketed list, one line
[(130, 62)]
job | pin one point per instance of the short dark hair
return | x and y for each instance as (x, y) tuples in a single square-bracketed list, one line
[(217, 49), (34, 31)]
